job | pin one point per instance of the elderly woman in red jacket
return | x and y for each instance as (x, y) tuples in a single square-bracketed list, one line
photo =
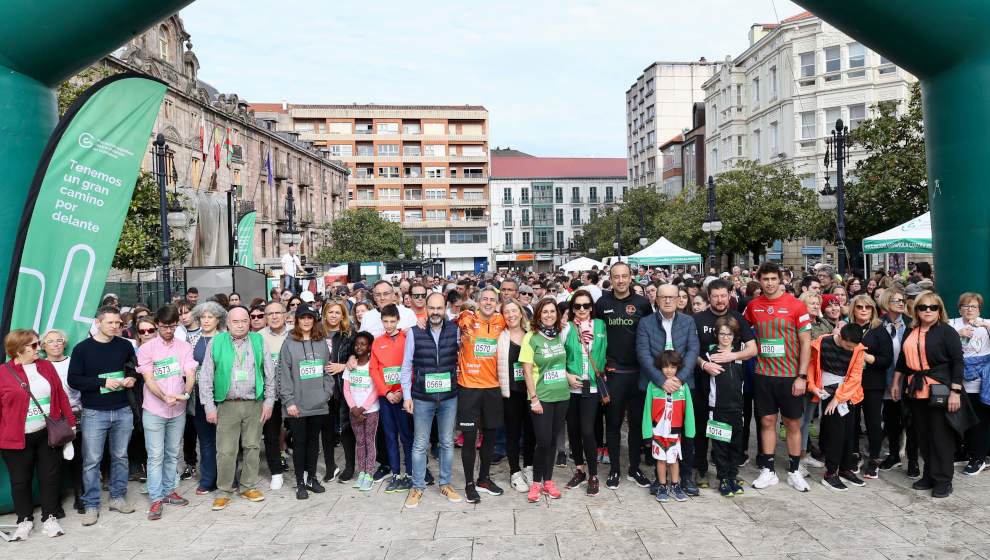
[(23, 432)]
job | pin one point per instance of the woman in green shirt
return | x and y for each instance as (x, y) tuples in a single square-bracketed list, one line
[(544, 363)]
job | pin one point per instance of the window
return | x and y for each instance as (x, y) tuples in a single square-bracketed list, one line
[(857, 114), (435, 128), (413, 194), (739, 145), (690, 166), (436, 215), (756, 145), (453, 150), (388, 128), (857, 60), (559, 216), (558, 195), (808, 129), (304, 127), (886, 66), (609, 194), (436, 172), (474, 172), (714, 115), (473, 150), (651, 112), (560, 239), (507, 195), (388, 172), (413, 171), (832, 114), (390, 215), (388, 149), (575, 194), (592, 213), (359, 128), (508, 216), (411, 150), (833, 63), (434, 150), (340, 128), (541, 217), (773, 83), (341, 150), (508, 240), (427, 237), (410, 128), (543, 239), (715, 160), (264, 242), (163, 46), (365, 150), (774, 139), (525, 217), (474, 194), (525, 240), (739, 100), (436, 194), (322, 127), (413, 215), (649, 85), (524, 199), (469, 236), (808, 65), (756, 93), (366, 194), (593, 194), (808, 182), (364, 172), (576, 216), (388, 194)]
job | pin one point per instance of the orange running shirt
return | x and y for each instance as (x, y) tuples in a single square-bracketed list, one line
[(476, 360)]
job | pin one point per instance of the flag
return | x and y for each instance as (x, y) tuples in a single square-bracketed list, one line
[(202, 136), (268, 167), (228, 145), (216, 145)]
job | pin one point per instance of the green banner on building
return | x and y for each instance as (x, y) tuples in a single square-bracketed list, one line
[(77, 204), (245, 240)]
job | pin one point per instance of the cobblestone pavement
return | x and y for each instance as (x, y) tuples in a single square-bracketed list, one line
[(885, 519)]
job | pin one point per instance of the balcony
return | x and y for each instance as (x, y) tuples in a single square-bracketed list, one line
[(541, 246), (609, 200), (467, 180), (474, 175), (507, 201), (576, 222), (281, 170), (592, 200), (507, 247), (524, 200), (508, 223), (524, 222), (466, 203), (526, 246), (575, 200), (305, 180)]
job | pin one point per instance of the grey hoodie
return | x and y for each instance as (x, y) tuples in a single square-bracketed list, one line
[(309, 394)]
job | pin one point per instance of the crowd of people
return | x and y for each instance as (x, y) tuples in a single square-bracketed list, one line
[(537, 369)]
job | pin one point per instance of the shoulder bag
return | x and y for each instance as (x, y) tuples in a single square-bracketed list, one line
[(59, 431), (601, 378)]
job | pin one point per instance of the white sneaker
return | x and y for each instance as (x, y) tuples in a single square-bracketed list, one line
[(276, 482), (23, 530), (796, 480), (528, 473), (804, 471), (52, 528), (767, 478), (518, 482), (810, 461)]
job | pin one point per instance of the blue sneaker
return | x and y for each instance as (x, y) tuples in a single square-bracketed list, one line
[(677, 493), (405, 483), (725, 488), (359, 480), (737, 488), (367, 483), (394, 484), (662, 495)]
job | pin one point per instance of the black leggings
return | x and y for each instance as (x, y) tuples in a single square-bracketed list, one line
[(271, 432), (306, 444), (582, 416), (896, 421), (518, 423), (624, 391), (546, 426), (872, 407), (189, 442), (21, 465), (486, 452)]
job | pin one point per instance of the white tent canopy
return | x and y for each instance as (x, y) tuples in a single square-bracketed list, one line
[(914, 236), (581, 264), (664, 252)]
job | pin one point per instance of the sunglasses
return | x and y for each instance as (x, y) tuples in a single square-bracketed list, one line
[(34, 345), (148, 331), (923, 307), (896, 300), (257, 315), (582, 306), (418, 296), (863, 307)]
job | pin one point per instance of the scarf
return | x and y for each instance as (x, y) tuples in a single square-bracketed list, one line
[(549, 332)]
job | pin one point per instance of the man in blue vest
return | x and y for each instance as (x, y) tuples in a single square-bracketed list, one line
[(429, 383)]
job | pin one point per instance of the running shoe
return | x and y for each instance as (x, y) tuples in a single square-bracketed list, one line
[(490, 487), (677, 492), (578, 479), (767, 478), (833, 482)]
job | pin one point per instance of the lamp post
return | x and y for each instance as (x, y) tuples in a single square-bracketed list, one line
[(713, 224), (290, 236), (618, 237), (642, 229), (592, 249), (170, 213), (837, 149)]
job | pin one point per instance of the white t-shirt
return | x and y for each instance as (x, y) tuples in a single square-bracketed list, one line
[(361, 385), (62, 368), (290, 264), (595, 291), (372, 321), (35, 421), (978, 345)]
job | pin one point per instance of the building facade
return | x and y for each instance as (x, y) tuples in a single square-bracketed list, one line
[(659, 105), (165, 51), (778, 101), (425, 167), (540, 204)]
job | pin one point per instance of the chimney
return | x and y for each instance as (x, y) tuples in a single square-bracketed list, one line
[(285, 105)]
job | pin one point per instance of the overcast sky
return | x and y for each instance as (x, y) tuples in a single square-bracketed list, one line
[(552, 74)]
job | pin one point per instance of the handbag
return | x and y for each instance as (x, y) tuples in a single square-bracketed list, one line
[(59, 431), (938, 393), (601, 379)]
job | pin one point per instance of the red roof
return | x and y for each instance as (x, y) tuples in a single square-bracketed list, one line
[(796, 17), (268, 108), (547, 168)]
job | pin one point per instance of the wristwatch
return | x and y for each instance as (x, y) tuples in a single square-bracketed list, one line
[(186, 395), (803, 376), (957, 391)]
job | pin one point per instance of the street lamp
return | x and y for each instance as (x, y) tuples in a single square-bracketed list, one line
[(290, 236), (618, 237), (592, 249), (834, 198), (642, 229), (713, 224), (170, 213)]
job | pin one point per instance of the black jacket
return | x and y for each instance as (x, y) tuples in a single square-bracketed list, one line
[(943, 350), (878, 343)]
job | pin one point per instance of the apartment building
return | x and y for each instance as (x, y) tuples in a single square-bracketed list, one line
[(779, 100), (423, 166), (659, 105), (540, 204)]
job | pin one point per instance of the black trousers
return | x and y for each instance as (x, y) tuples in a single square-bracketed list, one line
[(582, 415), (189, 442), (727, 455), (271, 431), (518, 424), (547, 426), (625, 393), (978, 437), (837, 437), (21, 465), (896, 422), (306, 444), (699, 399), (936, 440), (872, 407)]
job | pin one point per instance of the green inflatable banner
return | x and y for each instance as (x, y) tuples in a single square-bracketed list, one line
[(77, 204), (245, 240)]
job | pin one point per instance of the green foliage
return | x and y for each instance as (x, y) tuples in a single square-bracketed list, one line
[(72, 88), (140, 244), (361, 235), (602, 228), (891, 184)]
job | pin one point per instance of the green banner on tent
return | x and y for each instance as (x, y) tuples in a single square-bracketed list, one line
[(77, 204), (652, 261), (245, 240)]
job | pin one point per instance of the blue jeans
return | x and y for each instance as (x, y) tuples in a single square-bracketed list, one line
[(207, 434), (97, 426), (423, 414), (162, 437), (394, 420)]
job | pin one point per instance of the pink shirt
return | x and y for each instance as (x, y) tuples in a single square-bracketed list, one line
[(168, 363)]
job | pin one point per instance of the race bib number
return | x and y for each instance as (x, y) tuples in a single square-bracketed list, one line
[(360, 379), (772, 348), (240, 375), (585, 368), (484, 347), (34, 413), (112, 375), (392, 375), (274, 356), (167, 367), (517, 371), (438, 382), (308, 369), (719, 431), (554, 375)]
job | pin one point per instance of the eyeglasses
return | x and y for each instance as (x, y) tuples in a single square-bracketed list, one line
[(293, 305), (167, 327), (896, 300), (148, 331), (725, 334), (864, 307), (55, 341), (381, 294), (273, 313), (667, 298), (582, 306), (923, 307), (257, 315), (969, 306), (34, 345), (418, 296)]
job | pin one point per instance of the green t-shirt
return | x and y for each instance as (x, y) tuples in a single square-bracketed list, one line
[(549, 361)]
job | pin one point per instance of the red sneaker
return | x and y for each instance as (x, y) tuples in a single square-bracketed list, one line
[(155, 511), (176, 500), (534, 493), (459, 442), (550, 489)]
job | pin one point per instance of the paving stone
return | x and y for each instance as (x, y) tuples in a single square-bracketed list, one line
[(350, 550), (935, 529), (851, 533), (537, 521), (915, 552), (386, 527), (260, 552), (604, 545), (515, 546), (472, 524), (411, 549), (153, 536), (241, 531), (687, 542), (307, 530), (779, 508), (703, 510), (858, 554), (763, 537), (617, 518)]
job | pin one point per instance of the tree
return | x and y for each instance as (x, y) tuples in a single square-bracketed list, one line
[(140, 244), (362, 235), (602, 226), (72, 88), (889, 186)]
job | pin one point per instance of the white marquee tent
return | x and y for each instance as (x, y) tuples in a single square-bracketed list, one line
[(914, 236), (664, 252), (581, 264)]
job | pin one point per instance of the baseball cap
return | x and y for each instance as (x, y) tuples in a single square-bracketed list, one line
[(307, 296), (912, 290), (304, 310), (526, 289), (926, 284)]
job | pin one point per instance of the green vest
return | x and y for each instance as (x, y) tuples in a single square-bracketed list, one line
[(575, 354), (223, 365)]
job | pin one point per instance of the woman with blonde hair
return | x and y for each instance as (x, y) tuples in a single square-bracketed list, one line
[(878, 357), (516, 409), (337, 328)]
